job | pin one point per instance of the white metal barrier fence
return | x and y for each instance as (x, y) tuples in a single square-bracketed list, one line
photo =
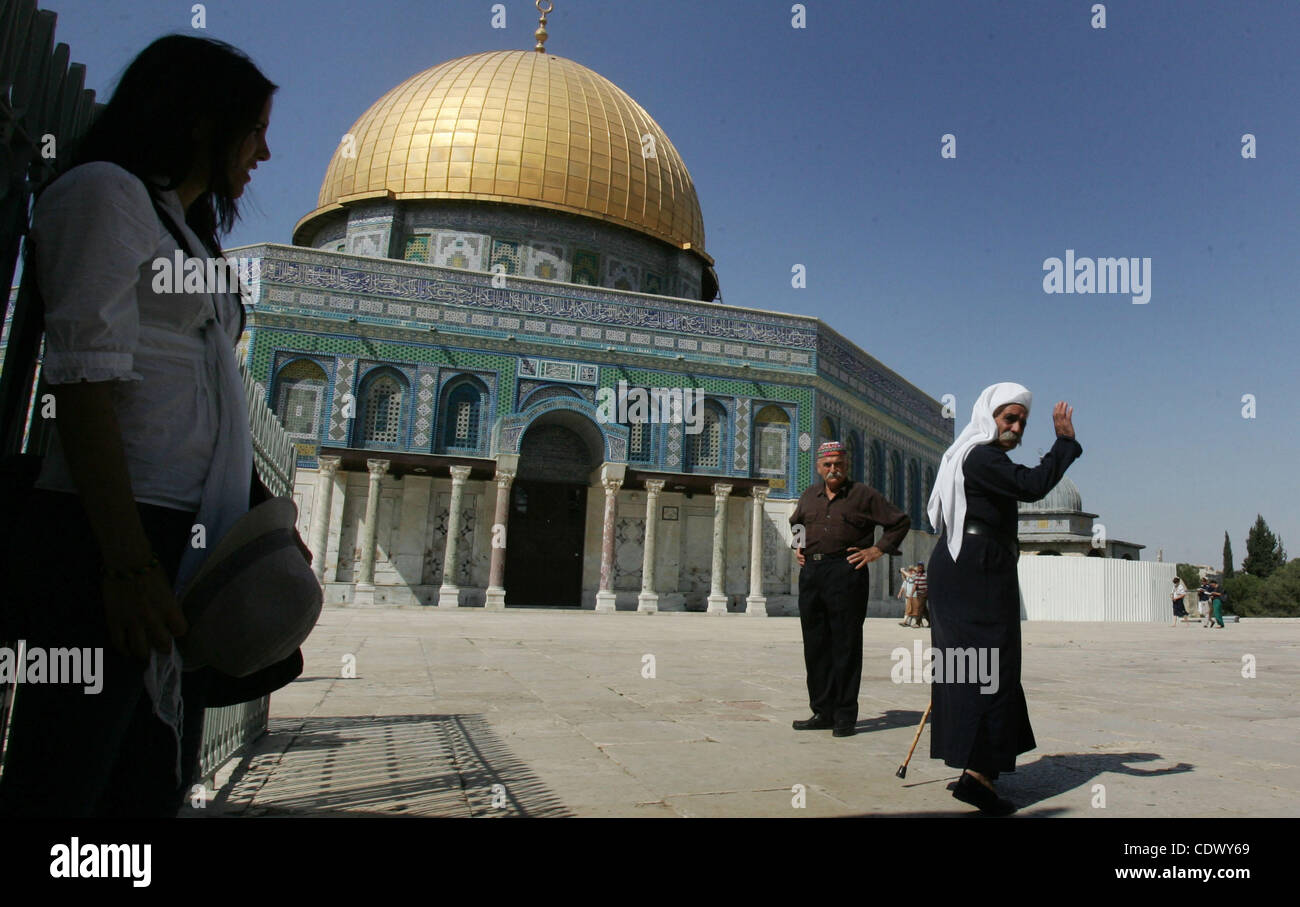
[(1094, 588)]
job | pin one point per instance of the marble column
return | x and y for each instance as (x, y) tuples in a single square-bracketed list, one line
[(605, 597), (319, 532), (717, 594), (756, 602), (496, 591), (449, 592), (366, 573), (648, 600)]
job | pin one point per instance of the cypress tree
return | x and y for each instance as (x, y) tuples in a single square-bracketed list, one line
[(1264, 552), (1227, 556)]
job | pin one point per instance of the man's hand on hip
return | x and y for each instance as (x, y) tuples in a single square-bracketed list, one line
[(860, 557)]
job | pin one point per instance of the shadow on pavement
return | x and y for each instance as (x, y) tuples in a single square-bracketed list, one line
[(891, 719), (1047, 777), (390, 765), (1052, 775)]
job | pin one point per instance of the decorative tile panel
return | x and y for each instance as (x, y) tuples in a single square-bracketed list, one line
[(741, 435), (424, 403), (344, 371)]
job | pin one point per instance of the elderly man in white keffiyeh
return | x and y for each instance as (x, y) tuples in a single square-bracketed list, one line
[(980, 719)]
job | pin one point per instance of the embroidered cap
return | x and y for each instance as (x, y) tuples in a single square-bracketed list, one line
[(830, 447)]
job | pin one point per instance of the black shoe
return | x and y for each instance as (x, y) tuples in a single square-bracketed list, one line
[(815, 723), (968, 790), (845, 730)]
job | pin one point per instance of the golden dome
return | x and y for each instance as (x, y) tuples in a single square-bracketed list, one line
[(524, 128)]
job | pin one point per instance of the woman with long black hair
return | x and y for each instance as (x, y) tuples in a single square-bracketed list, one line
[(151, 460)]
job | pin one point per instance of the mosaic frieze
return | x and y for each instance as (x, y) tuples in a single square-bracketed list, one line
[(595, 306)]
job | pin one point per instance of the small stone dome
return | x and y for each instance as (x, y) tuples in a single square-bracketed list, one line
[(1064, 498)]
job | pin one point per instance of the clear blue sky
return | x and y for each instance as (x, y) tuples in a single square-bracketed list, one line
[(821, 146)]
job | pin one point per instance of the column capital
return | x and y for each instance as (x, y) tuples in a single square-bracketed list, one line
[(504, 477), (377, 468), (654, 486), (459, 474), (760, 492), (611, 485), (721, 490), (328, 466)]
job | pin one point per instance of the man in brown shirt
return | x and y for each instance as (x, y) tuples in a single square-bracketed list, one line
[(834, 525)]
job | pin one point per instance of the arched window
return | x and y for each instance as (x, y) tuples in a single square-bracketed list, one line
[(897, 486), (854, 443), (461, 422), (915, 505), (878, 467), (300, 398), (640, 442), (826, 431), (640, 412), (772, 443), (640, 408), (380, 422), (705, 450)]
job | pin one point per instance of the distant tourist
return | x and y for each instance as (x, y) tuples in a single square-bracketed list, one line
[(1179, 597), (1203, 602), (905, 593), (980, 724), (915, 587), (1217, 596), (921, 590), (837, 518)]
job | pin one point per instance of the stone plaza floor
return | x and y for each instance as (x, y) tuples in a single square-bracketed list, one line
[(549, 713)]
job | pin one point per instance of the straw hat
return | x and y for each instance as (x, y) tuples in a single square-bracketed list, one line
[(255, 599)]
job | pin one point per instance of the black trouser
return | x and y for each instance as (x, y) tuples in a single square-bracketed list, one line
[(106, 754), (832, 607)]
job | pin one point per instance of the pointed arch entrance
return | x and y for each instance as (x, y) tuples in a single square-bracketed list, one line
[(548, 510)]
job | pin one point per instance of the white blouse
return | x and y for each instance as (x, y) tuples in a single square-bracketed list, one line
[(96, 236)]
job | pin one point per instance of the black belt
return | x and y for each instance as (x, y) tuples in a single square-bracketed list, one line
[(828, 557), (979, 527)]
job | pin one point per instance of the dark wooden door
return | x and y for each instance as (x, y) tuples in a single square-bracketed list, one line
[(544, 542)]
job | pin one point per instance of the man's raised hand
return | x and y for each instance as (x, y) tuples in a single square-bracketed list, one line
[(1062, 420)]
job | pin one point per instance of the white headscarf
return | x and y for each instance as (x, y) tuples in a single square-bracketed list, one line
[(947, 507)]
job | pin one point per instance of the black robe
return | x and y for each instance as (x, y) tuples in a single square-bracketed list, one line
[(976, 603)]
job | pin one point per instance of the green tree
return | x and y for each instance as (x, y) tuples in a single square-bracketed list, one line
[(1227, 557), (1279, 595), (1243, 595), (1264, 553), (1191, 578)]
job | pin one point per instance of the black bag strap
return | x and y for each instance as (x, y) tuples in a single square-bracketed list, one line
[(170, 223)]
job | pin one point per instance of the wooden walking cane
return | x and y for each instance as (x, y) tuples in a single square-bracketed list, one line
[(902, 769)]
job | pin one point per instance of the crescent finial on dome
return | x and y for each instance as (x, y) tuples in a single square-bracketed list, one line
[(544, 7)]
